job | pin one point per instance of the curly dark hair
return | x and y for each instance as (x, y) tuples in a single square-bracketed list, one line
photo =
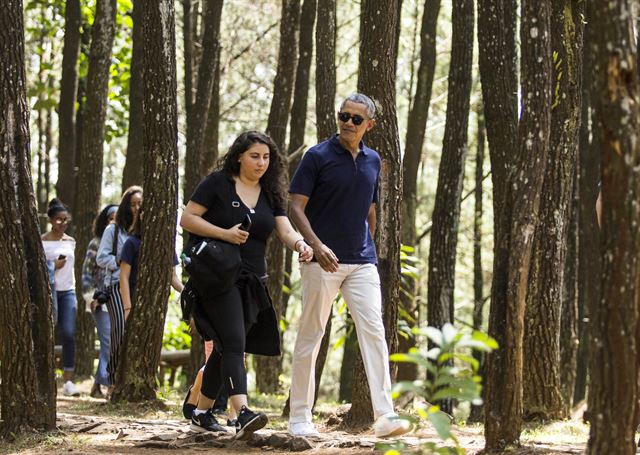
[(272, 181), (124, 215), (56, 206), (102, 220)]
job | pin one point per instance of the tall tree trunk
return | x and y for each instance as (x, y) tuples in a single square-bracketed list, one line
[(378, 36), (65, 187), (296, 141), (477, 411), (503, 414), (27, 387), (349, 356), (326, 69), (497, 63), (268, 369), (416, 126), (569, 314), (197, 123), (588, 254), (210, 150), (90, 159), (132, 173), (614, 364), (137, 372), (446, 212), (542, 395)]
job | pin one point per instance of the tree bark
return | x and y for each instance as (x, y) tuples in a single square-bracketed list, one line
[(542, 391), (196, 123), (268, 368), (349, 355), (143, 337), (378, 36), (497, 63), (27, 390), (614, 374), (90, 158), (132, 172), (588, 254), (503, 412), (446, 212), (210, 150), (65, 186), (326, 69), (412, 158), (477, 411)]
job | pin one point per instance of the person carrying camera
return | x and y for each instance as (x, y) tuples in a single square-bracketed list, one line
[(240, 318), (96, 297), (59, 249), (108, 257)]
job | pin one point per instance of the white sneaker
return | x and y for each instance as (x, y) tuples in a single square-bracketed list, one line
[(70, 389), (390, 425), (303, 429)]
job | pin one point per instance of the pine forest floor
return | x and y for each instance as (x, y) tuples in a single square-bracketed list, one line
[(93, 426)]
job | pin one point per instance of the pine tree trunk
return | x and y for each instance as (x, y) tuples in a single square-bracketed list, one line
[(90, 159), (589, 234), (446, 212), (378, 36), (412, 158), (477, 411), (497, 63), (268, 369), (569, 314), (542, 394), (196, 123), (143, 337), (65, 187), (614, 365), (132, 173), (27, 390), (503, 411), (326, 69), (210, 150)]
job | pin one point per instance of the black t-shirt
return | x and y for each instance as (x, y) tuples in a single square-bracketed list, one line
[(225, 209)]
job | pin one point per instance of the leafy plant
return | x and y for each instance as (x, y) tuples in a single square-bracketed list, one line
[(176, 337), (452, 374)]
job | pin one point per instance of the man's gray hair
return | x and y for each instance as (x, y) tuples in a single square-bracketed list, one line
[(359, 98)]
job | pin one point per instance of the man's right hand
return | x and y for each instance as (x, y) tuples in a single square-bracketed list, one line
[(326, 258)]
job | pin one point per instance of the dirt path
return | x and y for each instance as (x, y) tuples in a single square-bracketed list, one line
[(90, 426)]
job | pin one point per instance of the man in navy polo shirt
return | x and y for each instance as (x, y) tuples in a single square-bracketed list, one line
[(333, 201)]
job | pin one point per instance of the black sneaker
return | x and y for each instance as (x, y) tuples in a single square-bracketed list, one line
[(218, 411), (232, 422), (205, 422), (188, 408), (248, 422)]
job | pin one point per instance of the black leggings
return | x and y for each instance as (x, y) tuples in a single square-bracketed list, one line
[(226, 362)]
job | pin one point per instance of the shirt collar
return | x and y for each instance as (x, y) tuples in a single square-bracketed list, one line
[(339, 148)]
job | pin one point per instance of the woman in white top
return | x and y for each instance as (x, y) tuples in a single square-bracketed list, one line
[(59, 249)]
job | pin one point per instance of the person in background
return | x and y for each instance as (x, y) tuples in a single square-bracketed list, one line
[(108, 258), (59, 249), (96, 297), (129, 262)]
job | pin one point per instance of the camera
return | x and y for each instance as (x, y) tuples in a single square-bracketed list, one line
[(101, 297)]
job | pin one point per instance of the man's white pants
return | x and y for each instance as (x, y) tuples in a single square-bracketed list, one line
[(360, 286)]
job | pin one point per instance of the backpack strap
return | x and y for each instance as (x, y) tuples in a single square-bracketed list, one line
[(114, 246)]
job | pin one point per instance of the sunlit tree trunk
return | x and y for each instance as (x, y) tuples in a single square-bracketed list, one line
[(27, 382), (614, 364), (378, 36), (145, 327)]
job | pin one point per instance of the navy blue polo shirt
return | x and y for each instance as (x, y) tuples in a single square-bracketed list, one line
[(340, 191)]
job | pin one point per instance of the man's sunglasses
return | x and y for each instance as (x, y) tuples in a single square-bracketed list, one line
[(345, 116)]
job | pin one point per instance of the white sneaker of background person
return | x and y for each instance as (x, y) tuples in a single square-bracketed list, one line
[(303, 429), (70, 389), (389, 425)]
